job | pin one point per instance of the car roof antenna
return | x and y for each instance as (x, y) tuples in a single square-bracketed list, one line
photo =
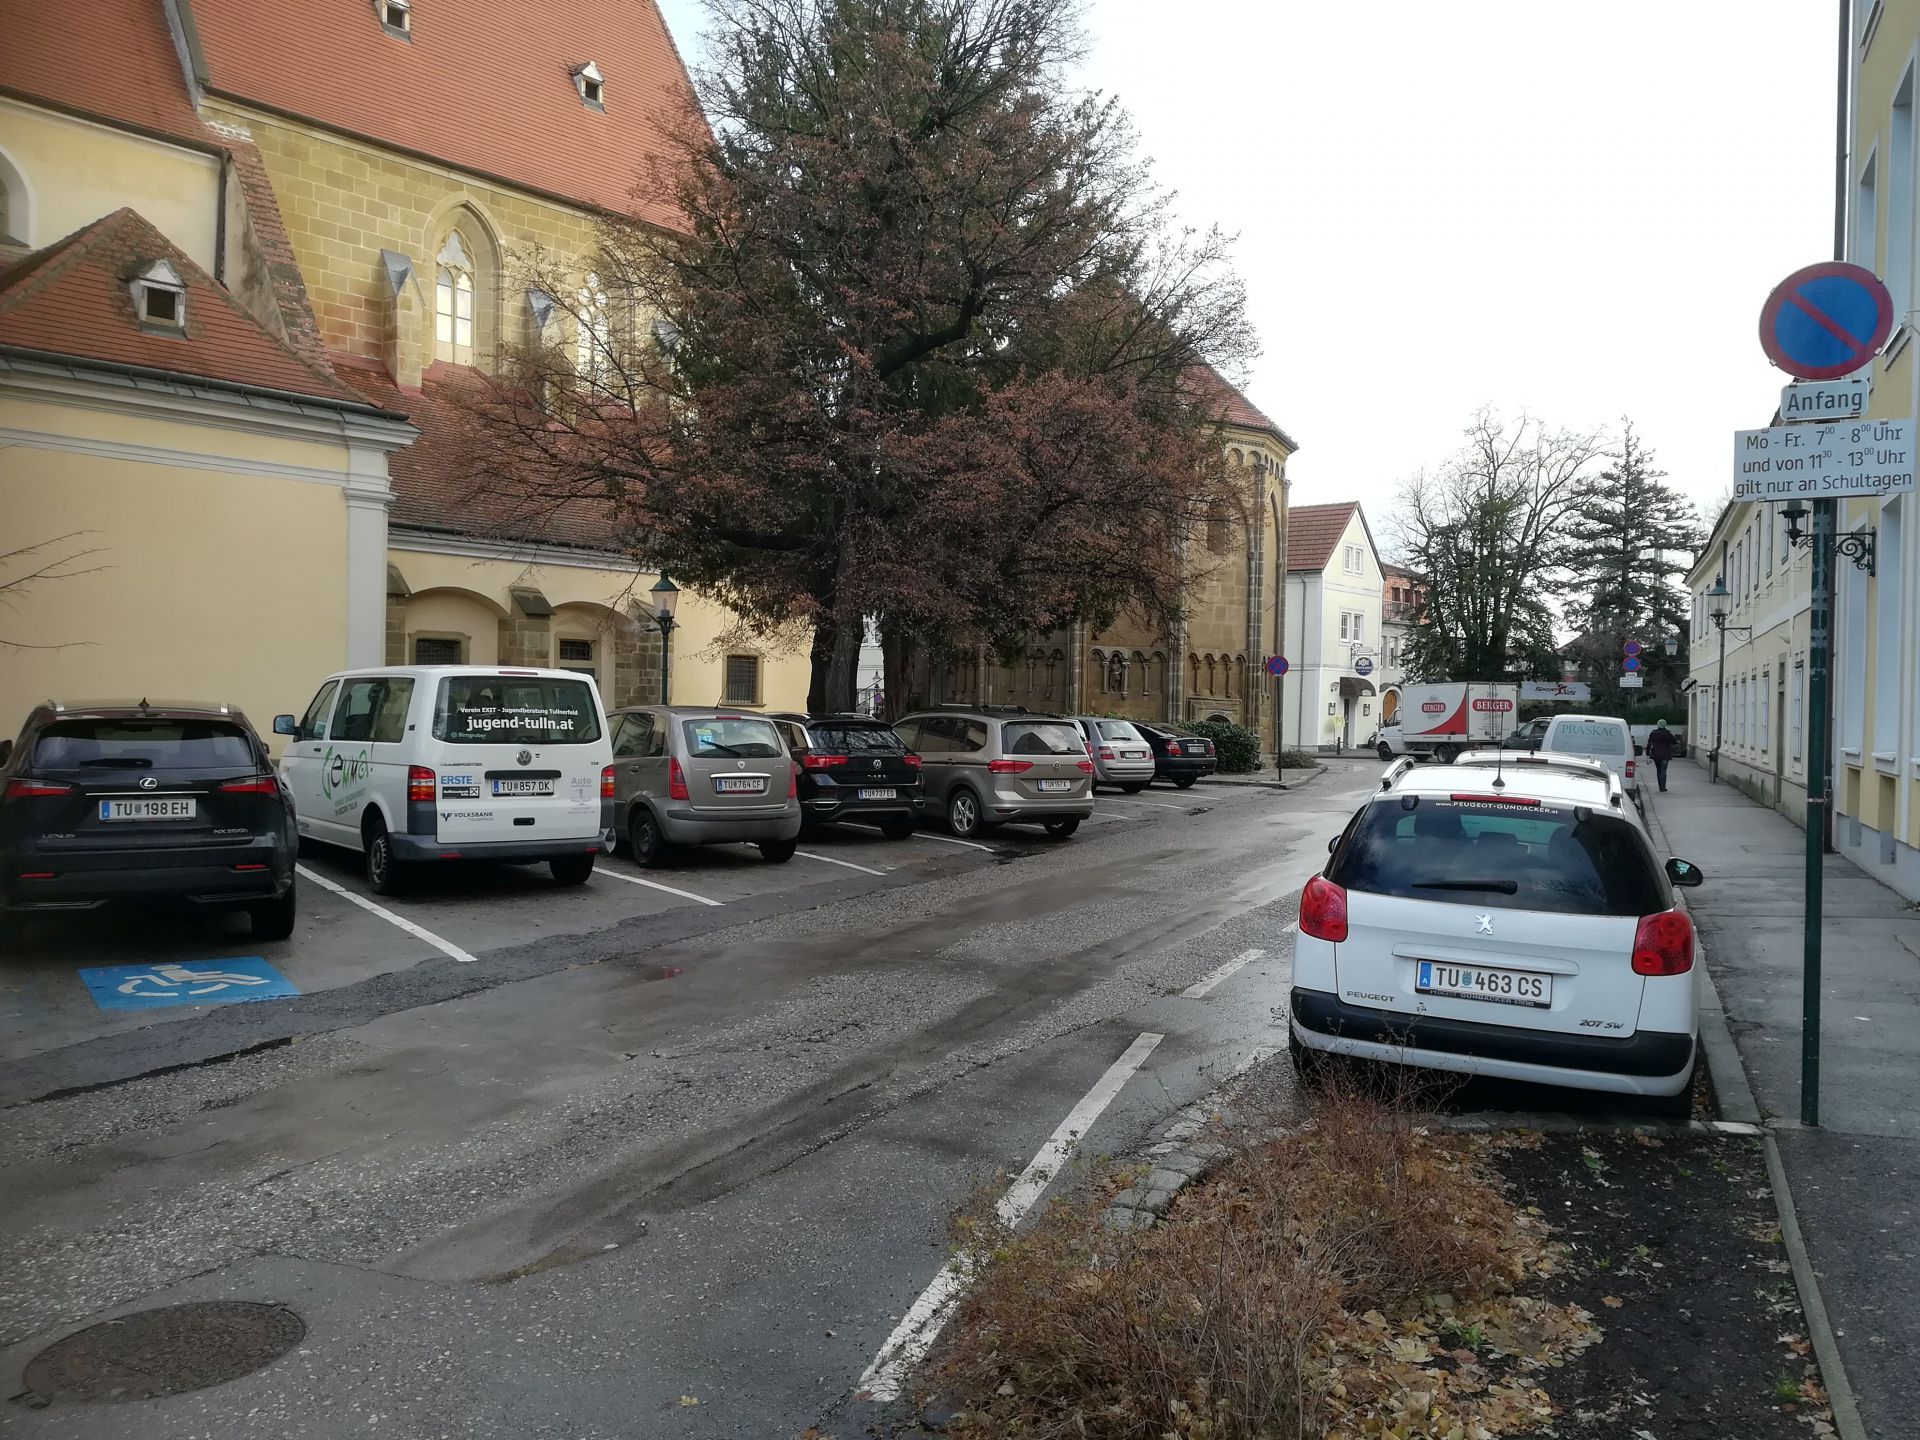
[(1499, 768)]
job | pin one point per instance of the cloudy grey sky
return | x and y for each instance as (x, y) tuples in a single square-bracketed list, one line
[(1574, 211)]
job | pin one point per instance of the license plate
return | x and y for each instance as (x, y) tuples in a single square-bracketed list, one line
[(1195, 748), (149, 809), (879, 794), (1470, 982), (523, 787), (1133, 754), (740, 784), (1049, 786)]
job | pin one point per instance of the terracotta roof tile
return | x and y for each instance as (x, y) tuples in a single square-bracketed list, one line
[(485, 85), (440, 485), (114, 59), (1313, 531), (72, 300), (1231, 407)]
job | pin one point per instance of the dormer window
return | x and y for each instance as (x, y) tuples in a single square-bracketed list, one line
[(160, 297), (396, 17), (591, 85)]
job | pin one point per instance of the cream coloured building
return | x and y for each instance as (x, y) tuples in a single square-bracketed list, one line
[(335, 169), (1333, 612)]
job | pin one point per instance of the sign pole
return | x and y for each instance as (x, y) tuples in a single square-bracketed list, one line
[(1280, 726), (1819, 801)]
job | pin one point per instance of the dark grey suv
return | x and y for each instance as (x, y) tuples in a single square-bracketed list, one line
[(994, 765)]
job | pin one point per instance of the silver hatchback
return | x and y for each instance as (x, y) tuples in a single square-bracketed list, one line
[(686, 776), (1121, 754), (993, 765)]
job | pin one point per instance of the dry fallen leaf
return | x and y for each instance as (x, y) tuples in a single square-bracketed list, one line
[(1612, 1302), (686, 1400)]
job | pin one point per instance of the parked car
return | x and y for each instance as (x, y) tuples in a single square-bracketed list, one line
[(425, 764), (687, 775), (133, 801), (1121, 754), (994, 765), (1183, 759), (1529, 735), (1599, 737), (853, 767), (1508, 918)]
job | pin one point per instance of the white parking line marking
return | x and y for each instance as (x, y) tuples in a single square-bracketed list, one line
[(913, 1337), (654, 885), (1102, 815), (831, 860), (445, 947), (1136, 800), (1212, 978)]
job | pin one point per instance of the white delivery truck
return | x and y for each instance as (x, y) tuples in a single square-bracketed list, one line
[(1440, 720)]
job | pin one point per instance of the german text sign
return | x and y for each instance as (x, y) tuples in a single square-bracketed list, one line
[(1823, 461)]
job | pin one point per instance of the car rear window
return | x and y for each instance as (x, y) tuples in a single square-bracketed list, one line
[(515, 710), (137, 744), (855, 740), (1043, 737), (1579, 737), (1118, 730), (732, 736), (1500, 856)]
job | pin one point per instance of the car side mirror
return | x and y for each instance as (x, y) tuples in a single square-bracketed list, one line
[(286, 725), (1333, 844), (6, 751), (1639, 749), (1685, 873)]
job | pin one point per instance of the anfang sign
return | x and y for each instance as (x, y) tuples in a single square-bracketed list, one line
[(1824, 400), (1823, 462)]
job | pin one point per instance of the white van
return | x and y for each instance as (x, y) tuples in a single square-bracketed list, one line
[(416, 763), (1598, 737)]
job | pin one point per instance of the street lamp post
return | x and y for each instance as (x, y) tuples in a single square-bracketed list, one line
[(1719, 600), (666, 595)]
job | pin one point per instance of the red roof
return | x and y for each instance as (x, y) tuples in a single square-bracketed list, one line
[(114, 59), (486, 85), (1227, 404), (71, 299), (1313, 531), (441, 482)]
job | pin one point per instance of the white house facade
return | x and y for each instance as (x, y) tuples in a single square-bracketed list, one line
[(1331, 699)]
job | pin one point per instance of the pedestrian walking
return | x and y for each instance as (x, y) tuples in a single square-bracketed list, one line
[(1660, 747)]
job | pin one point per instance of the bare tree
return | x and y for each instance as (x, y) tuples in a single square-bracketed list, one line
[(1487, 530), (38, 564)]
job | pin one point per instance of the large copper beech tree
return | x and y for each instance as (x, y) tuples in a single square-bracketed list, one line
[(922, 351)]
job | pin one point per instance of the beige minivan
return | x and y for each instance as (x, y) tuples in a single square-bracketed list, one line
[(994, 765), (693, 776)]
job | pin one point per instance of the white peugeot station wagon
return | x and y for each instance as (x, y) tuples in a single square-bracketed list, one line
[(419, 764), (1505, 917)]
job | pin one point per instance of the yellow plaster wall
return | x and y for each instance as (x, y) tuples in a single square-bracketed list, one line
[(203, 585), (79, 171)]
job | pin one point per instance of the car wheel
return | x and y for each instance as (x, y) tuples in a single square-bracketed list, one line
[(778, 852), (384, 873), (1385, 751), (571, 869), (1061, 829), (649, 846), (963, 813), (1185, 782), (273, 919), (897, 829), (1134, 788)]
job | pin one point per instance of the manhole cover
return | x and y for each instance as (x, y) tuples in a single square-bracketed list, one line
[(164, 1352)]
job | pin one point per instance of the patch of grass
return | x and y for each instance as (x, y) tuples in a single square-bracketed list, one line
[(1785, 1390), (1260, 1308)]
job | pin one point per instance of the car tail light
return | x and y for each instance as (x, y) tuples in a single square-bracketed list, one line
[(36, 874), (1086, 767), (1008, 767), (676, 781), (813, 760), (1323, 910), (606, 782), (793, 783), (913, 761), (258, 785), (1209, 745), (35, 789), (1496, 799), (250, 866), (419, 785), (1629, 769), (1106, 752), (1663, 945)]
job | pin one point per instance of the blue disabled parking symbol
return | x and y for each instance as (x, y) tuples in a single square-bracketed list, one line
[(197, 982)]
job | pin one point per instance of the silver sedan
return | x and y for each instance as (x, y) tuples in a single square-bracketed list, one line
[(1121, 755)]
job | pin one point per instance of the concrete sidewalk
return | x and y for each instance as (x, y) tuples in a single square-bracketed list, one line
[(1856, 1179)]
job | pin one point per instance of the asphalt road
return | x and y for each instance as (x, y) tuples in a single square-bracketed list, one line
[(617, 1161)]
